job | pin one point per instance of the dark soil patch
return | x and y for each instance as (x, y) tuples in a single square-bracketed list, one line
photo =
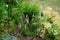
[(29, 38)]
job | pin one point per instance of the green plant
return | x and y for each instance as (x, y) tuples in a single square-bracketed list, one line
[(31, 22), (50, 25)]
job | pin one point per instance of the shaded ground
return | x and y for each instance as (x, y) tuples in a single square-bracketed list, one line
[(29, 38)]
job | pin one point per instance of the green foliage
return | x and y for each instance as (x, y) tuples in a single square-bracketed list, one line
[(6, 21), (29, 9), (50, 25), (30, 18)]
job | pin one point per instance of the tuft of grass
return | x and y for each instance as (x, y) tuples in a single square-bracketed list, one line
[(31, 13)]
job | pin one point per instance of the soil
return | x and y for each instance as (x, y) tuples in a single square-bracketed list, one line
[(29, 38)]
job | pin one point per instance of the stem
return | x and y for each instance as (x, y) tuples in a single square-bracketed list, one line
[(9, 10)]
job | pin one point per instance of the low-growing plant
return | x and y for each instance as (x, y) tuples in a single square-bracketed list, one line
[(50, 30)]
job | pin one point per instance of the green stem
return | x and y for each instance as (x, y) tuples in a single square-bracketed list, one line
[(9, 10)]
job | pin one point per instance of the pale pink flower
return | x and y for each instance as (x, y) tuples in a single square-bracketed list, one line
[(55, 13), (47, 10)]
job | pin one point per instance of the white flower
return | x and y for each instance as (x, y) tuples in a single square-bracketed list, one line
[(6, 5)]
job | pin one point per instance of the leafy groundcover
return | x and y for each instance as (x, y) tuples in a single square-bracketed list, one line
[(25, 20)]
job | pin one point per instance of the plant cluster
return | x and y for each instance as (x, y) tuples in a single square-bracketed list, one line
[(51, 24), (30, 19)]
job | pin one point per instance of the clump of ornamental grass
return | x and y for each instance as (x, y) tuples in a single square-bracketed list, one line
[(30, 18)]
